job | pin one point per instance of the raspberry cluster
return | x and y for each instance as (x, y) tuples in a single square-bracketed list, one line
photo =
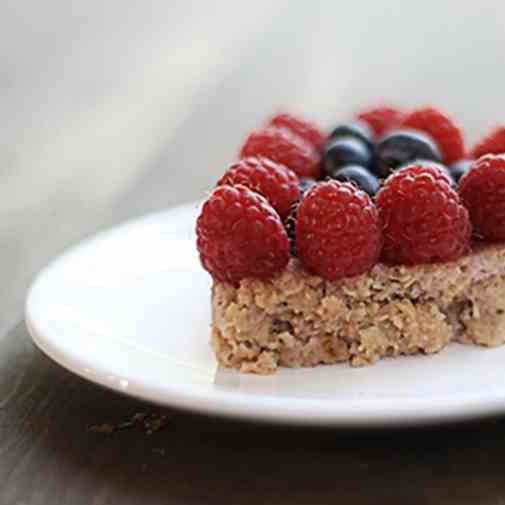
[(389, 186)]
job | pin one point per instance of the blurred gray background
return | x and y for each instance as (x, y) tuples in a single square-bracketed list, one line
[(112, 109)]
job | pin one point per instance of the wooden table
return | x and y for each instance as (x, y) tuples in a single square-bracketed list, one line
[(51, 452), (113, 109)]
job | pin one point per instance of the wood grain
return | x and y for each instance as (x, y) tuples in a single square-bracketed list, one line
[(48, 454)]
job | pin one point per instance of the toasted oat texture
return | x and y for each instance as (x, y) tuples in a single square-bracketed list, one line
[(298, 319)]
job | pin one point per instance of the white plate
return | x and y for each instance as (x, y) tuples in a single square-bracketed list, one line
[(129, 309)]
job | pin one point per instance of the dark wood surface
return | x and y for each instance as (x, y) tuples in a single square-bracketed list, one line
[(56, 448), (113, 109)]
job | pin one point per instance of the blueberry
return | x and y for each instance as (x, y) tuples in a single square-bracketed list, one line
[(305, 183), (402, 146), (361, 176), (460, 168), (357, 129), (346, 151)]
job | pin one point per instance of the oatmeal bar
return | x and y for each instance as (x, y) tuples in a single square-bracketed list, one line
[(296, 319)]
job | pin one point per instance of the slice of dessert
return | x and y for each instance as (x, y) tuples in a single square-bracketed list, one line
[(298, 319), (342, 277)]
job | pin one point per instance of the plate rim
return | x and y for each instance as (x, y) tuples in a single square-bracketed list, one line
[(376, 413)]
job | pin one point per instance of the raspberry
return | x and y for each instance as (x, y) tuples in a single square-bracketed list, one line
[(482, 190), (382, 119), (240, 235), (493, 143), (305, 129), (274, 181), (422, 217), (337, 230), (284, 146), (444, 131)]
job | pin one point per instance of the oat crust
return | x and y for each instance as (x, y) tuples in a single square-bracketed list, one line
[(298, 319)]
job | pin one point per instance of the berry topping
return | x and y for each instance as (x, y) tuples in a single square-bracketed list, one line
[(303, 128), (438, 166), (460, 168), (382, 119), (337, 230), (404, 146), (277, 183), (345, 151), (360, 176), (482, 190), (358, 129), (240, 235), (441, 128), (493, 143), (283, 146), (422, 217)]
